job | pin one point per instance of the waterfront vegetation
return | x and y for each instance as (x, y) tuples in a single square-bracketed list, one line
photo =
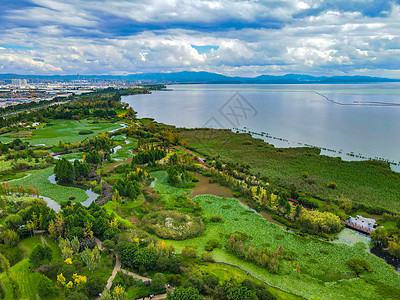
[(370, 183), (206, 230)]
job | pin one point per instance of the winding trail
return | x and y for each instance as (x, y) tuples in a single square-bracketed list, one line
[(199, 159), (117, 268), (16, 179)]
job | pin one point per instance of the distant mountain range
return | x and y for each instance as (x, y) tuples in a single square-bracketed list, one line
[(206, 77)]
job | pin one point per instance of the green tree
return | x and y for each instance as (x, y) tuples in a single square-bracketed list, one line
[(14, 221), (91, 258), (10, 237), (108, 245), (64, 170), (360, 265), (40, 254)]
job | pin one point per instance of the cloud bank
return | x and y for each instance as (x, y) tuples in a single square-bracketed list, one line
[(238, 38)]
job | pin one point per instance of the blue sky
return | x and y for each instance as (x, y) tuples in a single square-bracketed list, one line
[(236, 38)]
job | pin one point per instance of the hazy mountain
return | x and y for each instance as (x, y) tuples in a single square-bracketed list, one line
[(206, 77)]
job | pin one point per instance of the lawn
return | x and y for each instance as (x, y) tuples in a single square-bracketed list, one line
[(367, 182), (65, 130), (28, 280), (39, 179)]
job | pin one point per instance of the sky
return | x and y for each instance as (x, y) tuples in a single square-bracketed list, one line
[(234, 38)]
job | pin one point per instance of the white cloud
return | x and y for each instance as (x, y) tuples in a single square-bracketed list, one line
[(72, 37)]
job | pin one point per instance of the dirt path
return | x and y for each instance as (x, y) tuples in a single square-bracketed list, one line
[(126, 161), (16, 179), (117, 268), (199, 159), (114, 272)]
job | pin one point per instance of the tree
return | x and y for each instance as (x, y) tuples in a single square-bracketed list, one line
[(45, 287), (64, 170), (91, 258), (40, 254), (56, 227), (75, 244), (157, 285), (188, 293), (5, 265), (13, 222), (10, 237)]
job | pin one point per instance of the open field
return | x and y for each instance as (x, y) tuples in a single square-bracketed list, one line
[(65, 130), (367, 182), (58, 193)]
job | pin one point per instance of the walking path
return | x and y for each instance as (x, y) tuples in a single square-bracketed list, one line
[(199, 159), (16, 179), (117, 268)]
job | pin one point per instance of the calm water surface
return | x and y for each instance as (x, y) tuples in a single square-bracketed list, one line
[(298, 114)]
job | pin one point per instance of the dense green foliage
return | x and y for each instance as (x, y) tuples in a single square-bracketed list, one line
[(40, 254), (148, 157), (66, 171)]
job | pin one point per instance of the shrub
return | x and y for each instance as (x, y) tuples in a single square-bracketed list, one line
[(189, 252), (211, 245), (216, 219), (305, 175), (188, 293), (360, 265), (206, 256), (247, 143), (332, 185), (175, 280), (45, 286), (85, 132)]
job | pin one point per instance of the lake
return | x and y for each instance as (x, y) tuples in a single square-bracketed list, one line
[(353, 121)]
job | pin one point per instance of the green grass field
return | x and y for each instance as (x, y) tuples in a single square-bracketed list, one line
[(65, 130), (39, 180), (26, 279), (368, 182), (324, 271)]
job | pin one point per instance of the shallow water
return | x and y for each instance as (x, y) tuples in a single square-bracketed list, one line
[(92, 196), (298, 114)]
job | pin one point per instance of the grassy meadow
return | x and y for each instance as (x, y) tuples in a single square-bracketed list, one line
[(368, 182)]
